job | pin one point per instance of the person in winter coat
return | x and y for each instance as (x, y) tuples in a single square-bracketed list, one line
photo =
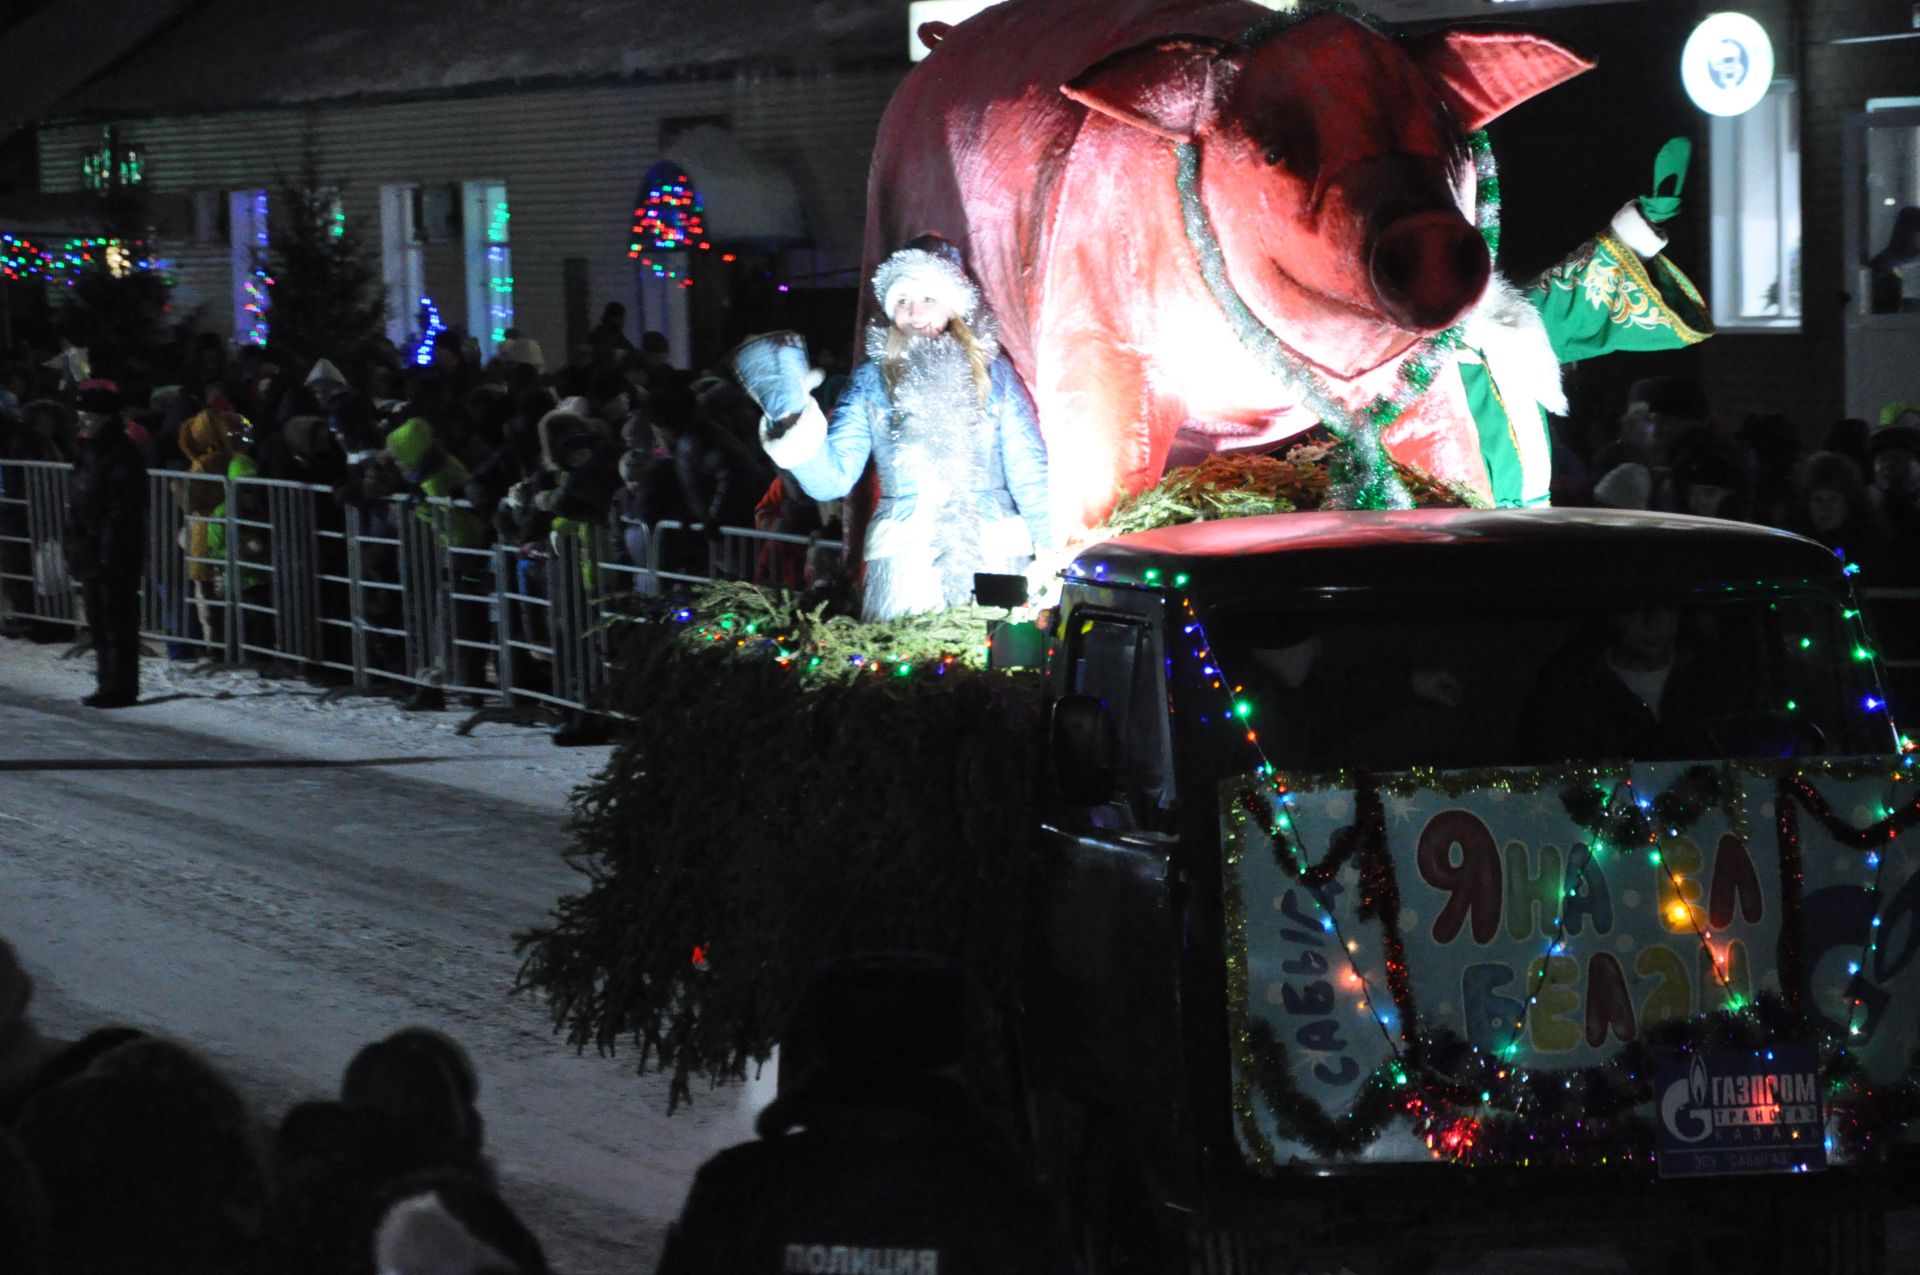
[(252, 550), (951, 430), (106, 542), (1833, 505), (430, 469), (209, 440), (878, 1156)]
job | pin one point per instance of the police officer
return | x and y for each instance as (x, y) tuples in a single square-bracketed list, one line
[(106, 541), (877, 1158)]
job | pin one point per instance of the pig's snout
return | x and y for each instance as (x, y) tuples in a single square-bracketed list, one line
[(1427, 268)]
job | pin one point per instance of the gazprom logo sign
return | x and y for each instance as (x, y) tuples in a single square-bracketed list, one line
[(1727, 64), (1743, 1111)]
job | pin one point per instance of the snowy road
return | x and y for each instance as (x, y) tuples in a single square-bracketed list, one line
[(278, 919)]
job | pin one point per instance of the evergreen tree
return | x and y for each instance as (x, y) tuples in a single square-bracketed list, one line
[(326, 300), (117, 304)]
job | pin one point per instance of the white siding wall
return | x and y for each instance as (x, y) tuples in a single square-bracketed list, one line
[(572, 160)]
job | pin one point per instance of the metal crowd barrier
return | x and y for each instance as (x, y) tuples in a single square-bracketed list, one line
[(389, 595)]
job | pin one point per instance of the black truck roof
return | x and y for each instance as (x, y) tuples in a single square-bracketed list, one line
[(1452, 550)]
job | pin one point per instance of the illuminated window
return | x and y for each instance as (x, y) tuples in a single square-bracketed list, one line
[(403, 262), (489, 263), (1756, 214)]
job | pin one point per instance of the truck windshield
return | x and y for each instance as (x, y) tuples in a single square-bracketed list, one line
[(1525, 681)]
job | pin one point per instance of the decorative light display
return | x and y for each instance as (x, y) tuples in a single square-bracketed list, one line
[(499, 271), (1485, 1105), (668, 221), (113, 164), (257, 286), (430, 328), (1369, 481), (22, 258)]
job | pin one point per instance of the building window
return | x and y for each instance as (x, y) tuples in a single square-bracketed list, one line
[(489, 263), (1756, 214), (1891, 205), (247, 218), (403, 262)]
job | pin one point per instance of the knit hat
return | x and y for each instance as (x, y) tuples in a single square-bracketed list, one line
[(1670, 396), (521, 349), (325, 375), (409, 444), (421, 1081), (1628, 486), (452, 1224), (891, 1012), (101, 398), (1892, 412), (931, 266), (1901, 437)]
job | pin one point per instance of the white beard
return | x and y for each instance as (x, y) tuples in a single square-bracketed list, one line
[(1512, 338)]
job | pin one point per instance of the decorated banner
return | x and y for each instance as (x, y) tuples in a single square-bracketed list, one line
[(1493, 965)]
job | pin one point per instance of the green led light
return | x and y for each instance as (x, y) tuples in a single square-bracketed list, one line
[(1242, 709), (1653, 855), (1806, 644), (1862, 653), (1792, 704), (1180, 581), (1153, 575)]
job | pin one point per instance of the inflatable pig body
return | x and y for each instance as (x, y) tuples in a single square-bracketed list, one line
[(1327, 174)]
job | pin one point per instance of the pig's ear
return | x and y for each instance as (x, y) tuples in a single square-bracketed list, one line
[(1159, 86), (1485, 74)]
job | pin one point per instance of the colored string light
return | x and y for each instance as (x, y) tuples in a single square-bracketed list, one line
[(668, 220), (431, 327)]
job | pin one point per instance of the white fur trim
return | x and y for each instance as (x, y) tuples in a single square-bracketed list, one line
[(1632, 228), (895, 586), (936, 277), (419, 1237), (1006, 539), (1510, 335), (798, 445)]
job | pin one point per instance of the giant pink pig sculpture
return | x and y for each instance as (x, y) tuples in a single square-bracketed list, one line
[(1328, 161)]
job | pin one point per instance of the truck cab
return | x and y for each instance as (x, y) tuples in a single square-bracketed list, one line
[(1394, 862)]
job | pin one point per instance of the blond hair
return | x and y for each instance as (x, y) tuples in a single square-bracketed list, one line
[(895, 361)]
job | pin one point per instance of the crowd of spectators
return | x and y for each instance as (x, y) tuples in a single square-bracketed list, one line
[(1857, 492), (615, 438), (125, 1153)]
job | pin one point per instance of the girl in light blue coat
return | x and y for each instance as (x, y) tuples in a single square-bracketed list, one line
[(949, 427)]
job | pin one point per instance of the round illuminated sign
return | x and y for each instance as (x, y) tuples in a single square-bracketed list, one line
[(1727, 65)]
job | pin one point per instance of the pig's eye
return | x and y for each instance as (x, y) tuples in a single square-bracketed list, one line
[(1274, 156)]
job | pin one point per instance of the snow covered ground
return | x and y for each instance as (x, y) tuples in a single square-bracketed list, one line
[(280, 918)]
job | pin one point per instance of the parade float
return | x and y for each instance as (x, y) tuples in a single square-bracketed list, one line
[(1280, 868)]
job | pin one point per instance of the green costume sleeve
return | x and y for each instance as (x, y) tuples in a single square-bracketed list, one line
[(1605, 298)]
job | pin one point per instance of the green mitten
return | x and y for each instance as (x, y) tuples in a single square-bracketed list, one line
[(1669, 166)]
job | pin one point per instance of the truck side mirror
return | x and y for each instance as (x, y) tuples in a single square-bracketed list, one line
[(1086, 765)]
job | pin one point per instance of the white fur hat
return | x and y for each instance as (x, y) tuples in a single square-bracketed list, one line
[(935, 271), (1625, 486)]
